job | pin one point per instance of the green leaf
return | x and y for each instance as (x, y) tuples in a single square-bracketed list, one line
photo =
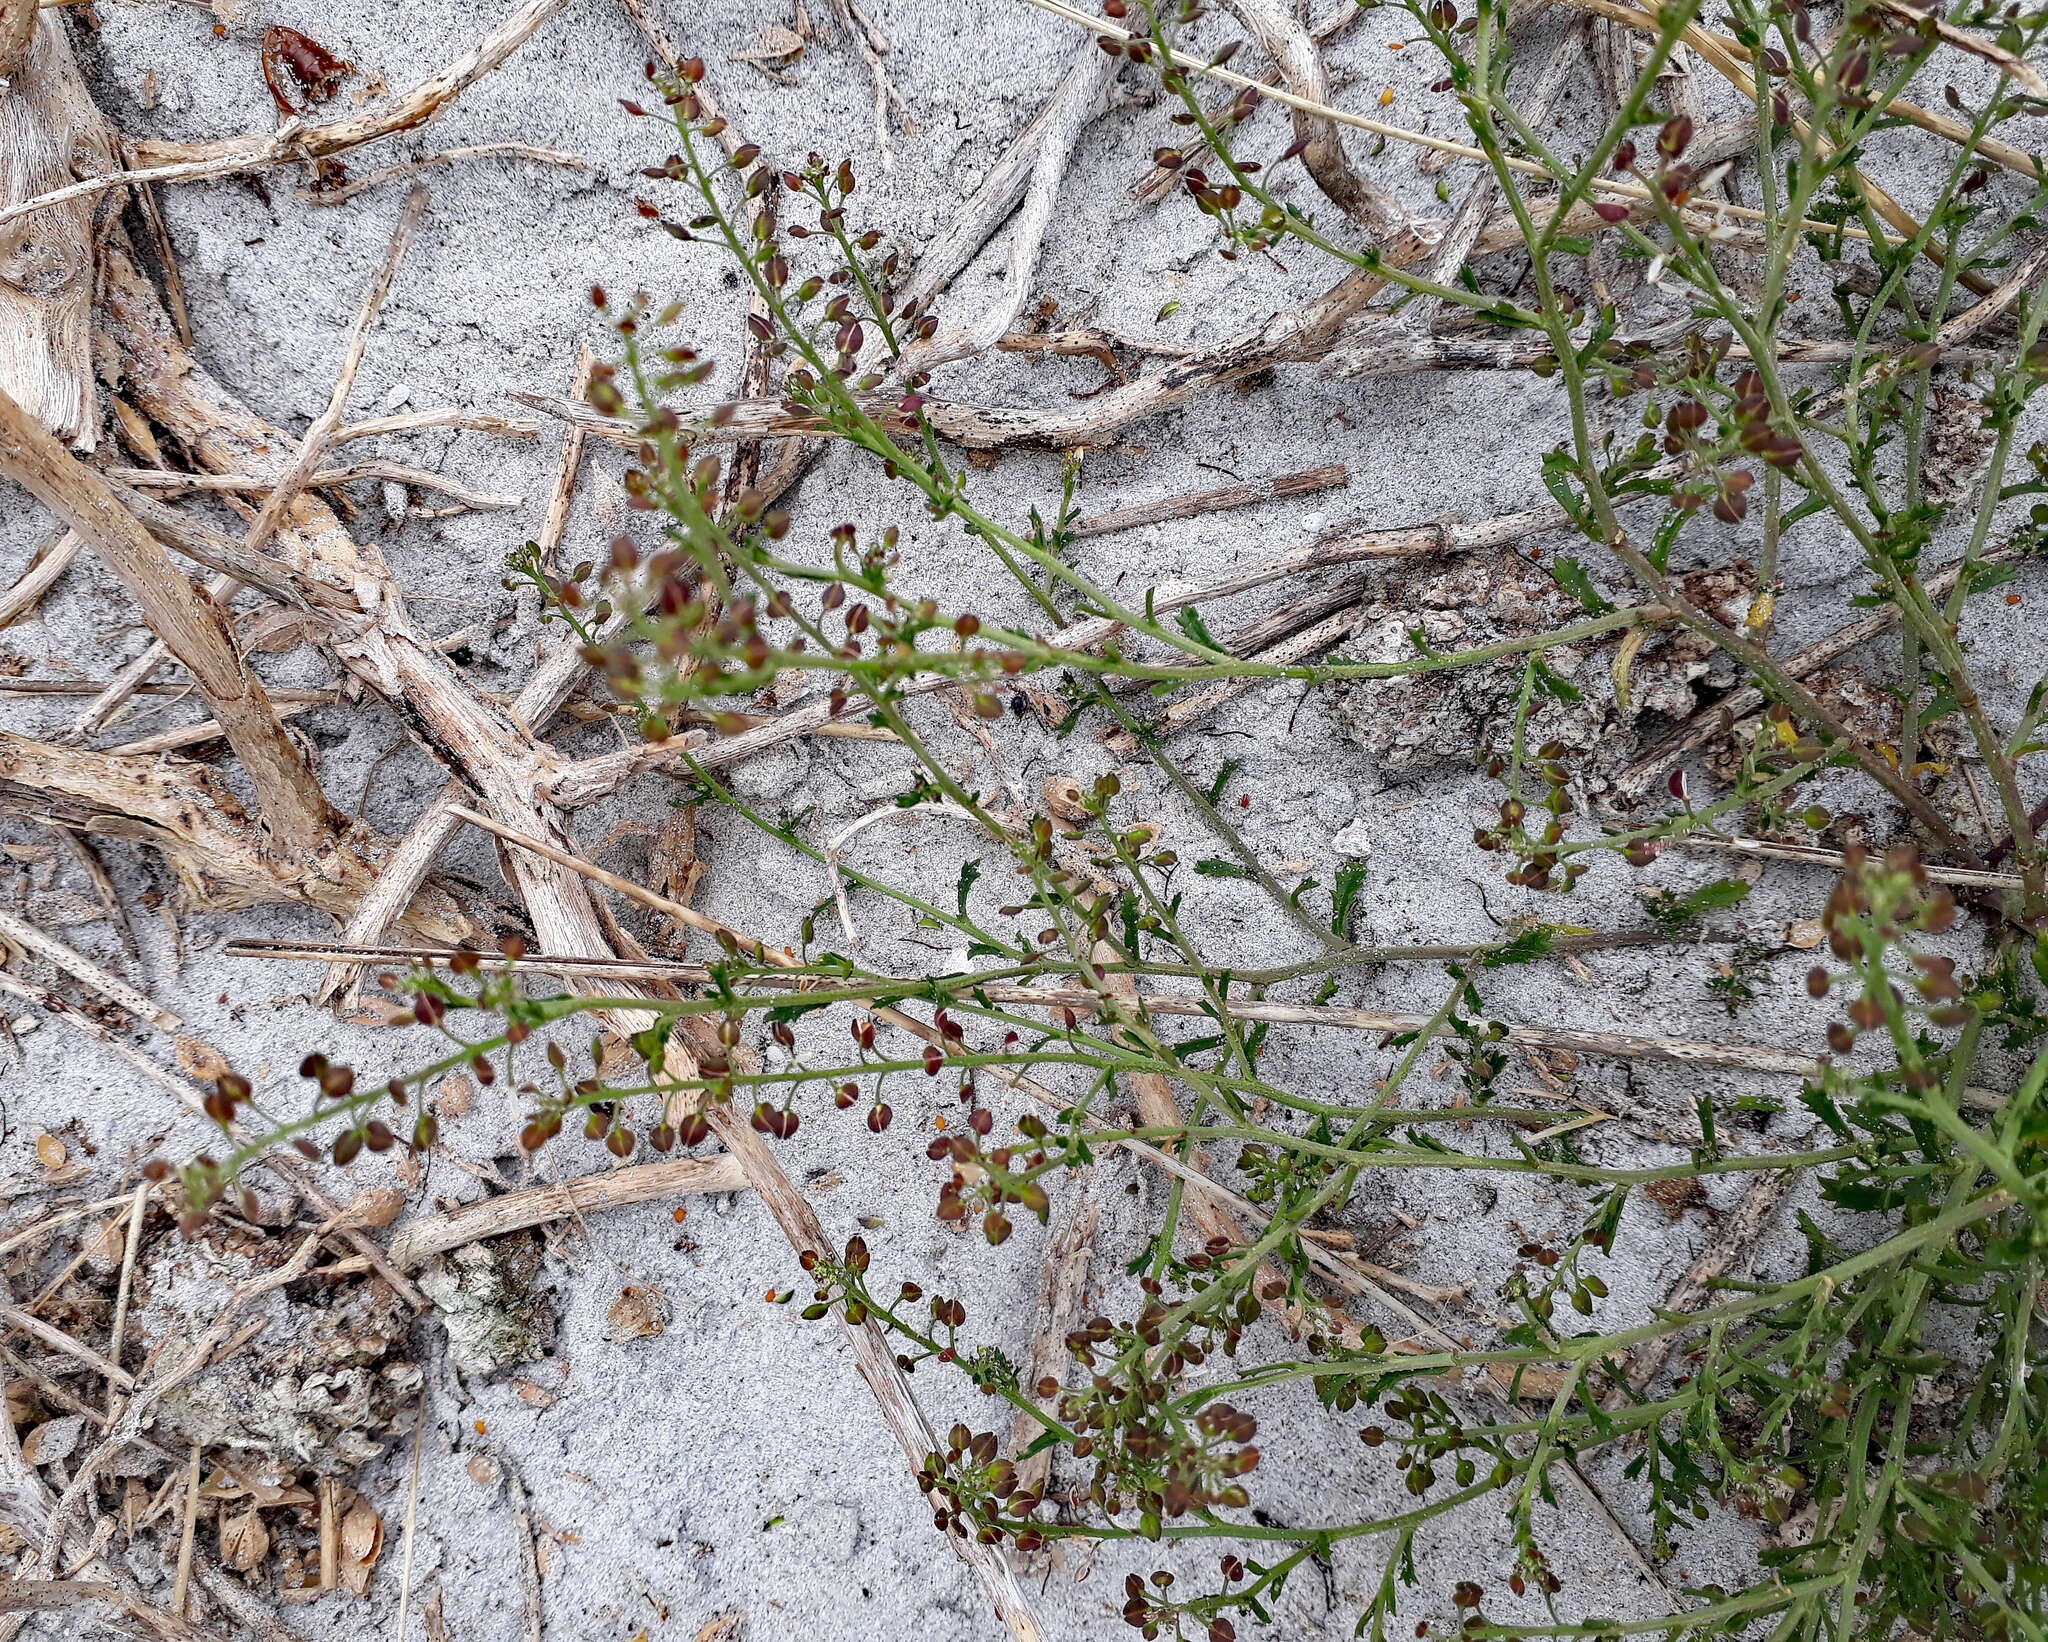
[(1215, 866), (1189, 621), (1350, 880), (1667, 537), (968, 874), (1532, 943), (1167, 312), (1570, 575), (1217, 787)]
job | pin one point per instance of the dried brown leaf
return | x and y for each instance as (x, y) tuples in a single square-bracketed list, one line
[(200, 1059), (376, 1205), (455, 1096), (638, 1313), (362, 1537), (244, 1541), (54, 1441)]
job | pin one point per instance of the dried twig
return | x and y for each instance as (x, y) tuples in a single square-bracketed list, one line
[(256, 484), (412, 1511), (131, 1248), (52, 559), (295, 141), (1158, 178), (314, 445), (75, 964), (421, 1238), (193, 629), (1063, 1285), (447, 156), (1215, 501), (57, 1340), (182, 1584), (1812, 856), (1293, 49), (1077, 101), (555, 522)]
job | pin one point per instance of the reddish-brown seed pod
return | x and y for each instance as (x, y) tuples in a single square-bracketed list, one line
[(932, 1061), (879, 1116), (1817, 982)]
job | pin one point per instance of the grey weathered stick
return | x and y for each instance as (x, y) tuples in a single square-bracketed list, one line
[(547, 688), (40, 576), (50, 133), (1157, 179), (314, 445), (1076, 102), (1809, 855), (187, 484), (75, 964), (57, 1340), (555, 522), (447, 156), (192, 627), (1063, 1283), (99, 711), (1215, 501), (1293, 49), (427, 1235), (1736, 1238), (295, 142)]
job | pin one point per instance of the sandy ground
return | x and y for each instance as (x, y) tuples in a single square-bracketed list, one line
[(733, 1463)]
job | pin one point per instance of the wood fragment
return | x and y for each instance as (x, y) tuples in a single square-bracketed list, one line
[(256, 484), (1063, 1285), (295, 812), (424, 1236), (45, 568), (50, 132), (88, 859), (329, 1496), (294, 142), (1216, 501), (55, 1338), (81, 968), (555, 522), (412, 1512), (448, 156), (1287, 41), (1809, 855), (314, 445), (1077, 101), (189, 814), (188, 1532), (1157, 179), (130, 1251)]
